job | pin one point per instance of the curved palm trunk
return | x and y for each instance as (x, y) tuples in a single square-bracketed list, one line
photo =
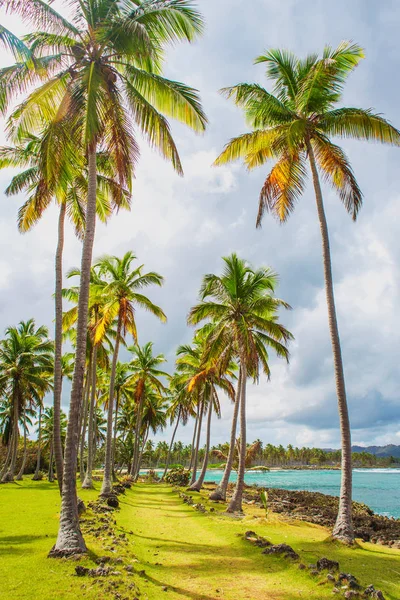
[(197, 485), (50, 474), (58, 449), (171, 444), (196, 421), (88, 481), (36, 475), (343, 529), (9, 474), (235, 504), (70, 539), (196, 450), (8, 457), (114, 476), (22, 469), (220, 492), (137, 435), (106, 488)]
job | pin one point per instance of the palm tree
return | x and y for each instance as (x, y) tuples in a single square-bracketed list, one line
[(179, 411), (293, 126), (121, 285), (26, 363), (6, 414), (100, 72), (243, 311), (48, 435), (202, 376), (123, 392), (154, 417), (145, 372), (68, 185)]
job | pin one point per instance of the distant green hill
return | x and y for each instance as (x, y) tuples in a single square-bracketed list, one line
[(389, 450), (382, 451)]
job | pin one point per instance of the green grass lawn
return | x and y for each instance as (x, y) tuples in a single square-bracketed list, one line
[(176, 552)]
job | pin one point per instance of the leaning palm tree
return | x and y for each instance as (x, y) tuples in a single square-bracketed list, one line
[(122, 285), (94, 76), (145, 374), (243, 310), (294, 126)]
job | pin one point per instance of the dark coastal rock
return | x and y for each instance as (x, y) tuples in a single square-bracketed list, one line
[(325, 564), (284, 549)]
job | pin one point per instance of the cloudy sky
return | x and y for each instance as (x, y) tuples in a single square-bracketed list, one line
[(182, 227)]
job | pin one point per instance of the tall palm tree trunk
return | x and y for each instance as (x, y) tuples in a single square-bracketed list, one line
[(196, 450), (88, 481), (22, 469), (70, 539), (196, 421), (114, 476), (107, 478), (50, 474), (235, 504), (9, 474), (171, 444), (220, 492), (343, 529), (137, 435), (58, 449), (86, 397), (36, 474), (198, 484), (141, 453)]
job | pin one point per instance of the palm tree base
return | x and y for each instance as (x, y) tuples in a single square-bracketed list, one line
[(7, 477), (87, 483), (343, 532), (69, 542), (194, 488), (218, 494)]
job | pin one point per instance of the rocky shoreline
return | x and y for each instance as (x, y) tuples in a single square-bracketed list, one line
[(321, 509)]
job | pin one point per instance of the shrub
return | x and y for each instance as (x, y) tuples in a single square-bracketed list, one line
[(179, 477), (151, 475)]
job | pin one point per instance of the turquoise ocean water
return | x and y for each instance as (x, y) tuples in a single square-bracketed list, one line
[(378, 488)]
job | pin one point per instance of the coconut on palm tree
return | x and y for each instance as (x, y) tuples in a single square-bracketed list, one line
[(95, 76), (294, 126), (243, 310)]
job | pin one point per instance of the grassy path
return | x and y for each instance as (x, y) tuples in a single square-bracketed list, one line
[(176, 552), (203, 556)]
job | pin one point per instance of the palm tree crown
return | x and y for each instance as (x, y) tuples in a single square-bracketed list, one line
[(300, 114)]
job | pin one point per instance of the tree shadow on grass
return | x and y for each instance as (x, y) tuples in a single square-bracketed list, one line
[(13, 544), (181, 591)]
